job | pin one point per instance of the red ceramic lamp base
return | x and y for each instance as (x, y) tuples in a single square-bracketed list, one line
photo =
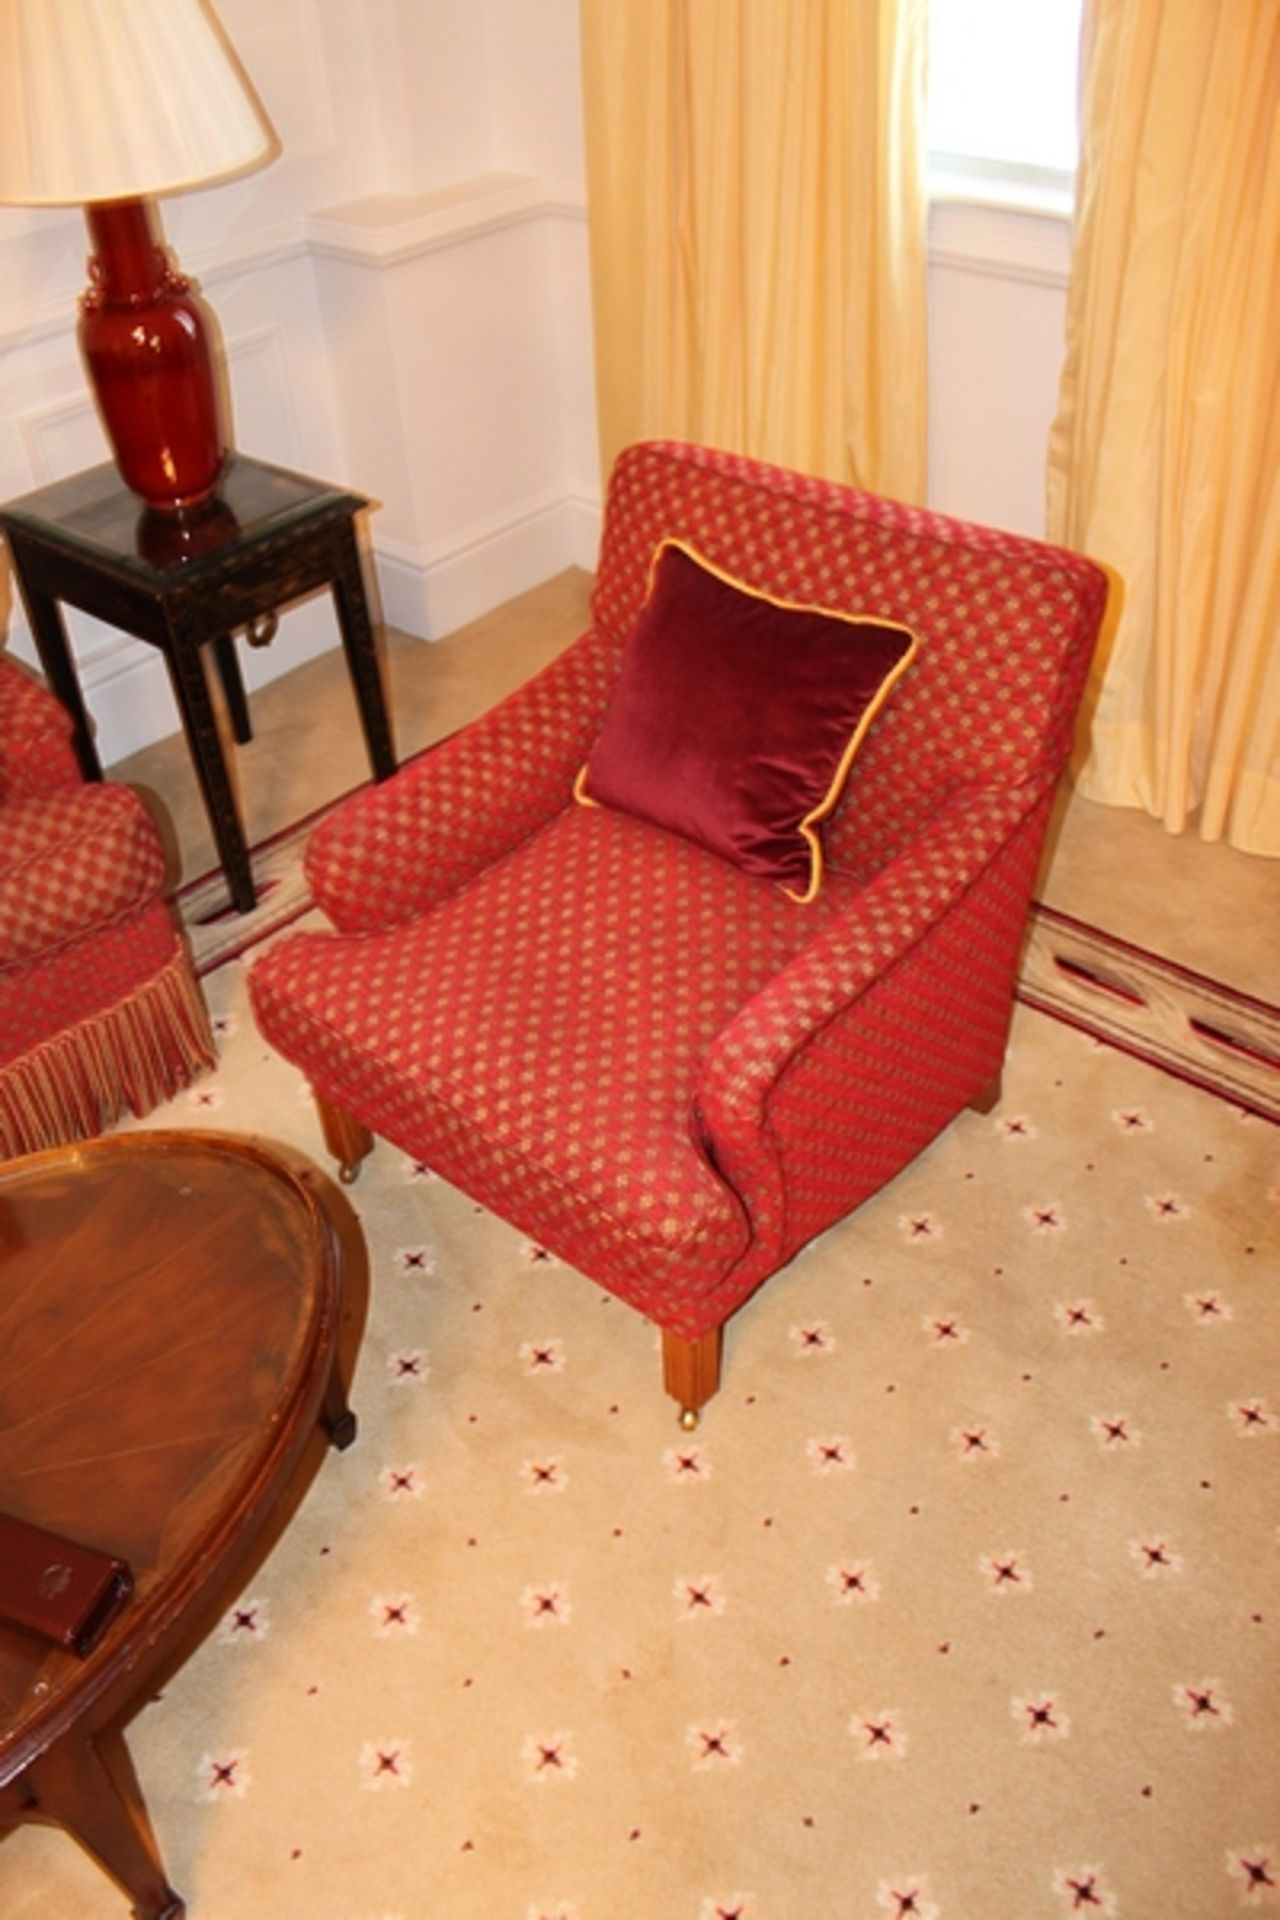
[(145, 343)]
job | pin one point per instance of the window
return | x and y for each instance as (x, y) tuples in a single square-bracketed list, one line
[(1002, 92)]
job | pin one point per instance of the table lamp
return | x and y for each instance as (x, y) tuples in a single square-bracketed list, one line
[(105, 104)]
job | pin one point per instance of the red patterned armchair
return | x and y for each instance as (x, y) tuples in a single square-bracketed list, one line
[(670, 1071), (99, 1009)]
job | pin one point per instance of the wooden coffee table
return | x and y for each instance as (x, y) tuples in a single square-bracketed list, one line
[(169, 1320)]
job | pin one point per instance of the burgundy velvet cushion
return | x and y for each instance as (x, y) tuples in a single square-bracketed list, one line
[(736, 716)]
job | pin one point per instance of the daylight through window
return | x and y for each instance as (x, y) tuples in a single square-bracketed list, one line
[(1003, 88)]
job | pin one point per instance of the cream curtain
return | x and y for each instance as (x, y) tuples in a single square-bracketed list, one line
[(1165, 456), (757, 219)]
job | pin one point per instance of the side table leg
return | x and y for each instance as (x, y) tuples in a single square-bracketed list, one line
[(228, 660), (89, 1786), (49, 631), (199, 723), (360, 647)]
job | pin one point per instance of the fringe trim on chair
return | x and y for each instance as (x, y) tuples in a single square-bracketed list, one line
[(134, 1054)]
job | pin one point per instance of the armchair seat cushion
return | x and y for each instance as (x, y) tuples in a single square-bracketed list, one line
[(72, 860), (538, 1037)]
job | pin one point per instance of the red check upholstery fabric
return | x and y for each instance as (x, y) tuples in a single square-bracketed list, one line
[(36, 755), (73, 860), (99, 1009), (659, 1067)]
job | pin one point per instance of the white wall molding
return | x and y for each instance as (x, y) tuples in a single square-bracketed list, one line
[(460, 406), (262, 390), (61, 434), (1001, 242), (387, 229), (436, 589), (54, 315)]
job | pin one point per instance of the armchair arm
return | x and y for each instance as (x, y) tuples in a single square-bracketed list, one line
[(36, 755), (811, 1005), (395, 850)]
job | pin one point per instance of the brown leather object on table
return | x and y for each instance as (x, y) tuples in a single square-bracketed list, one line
[(57, 1588)]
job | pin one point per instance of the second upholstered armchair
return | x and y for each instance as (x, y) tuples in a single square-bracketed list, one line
[(674, 1032), (99, 1008)]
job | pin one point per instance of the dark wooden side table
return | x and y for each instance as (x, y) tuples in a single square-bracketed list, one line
[(188, 583), (170, 1312)]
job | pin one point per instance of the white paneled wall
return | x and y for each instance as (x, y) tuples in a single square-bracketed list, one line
[(482, 499), (404, 304)]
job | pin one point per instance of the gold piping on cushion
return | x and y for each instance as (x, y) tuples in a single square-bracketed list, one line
[(133, 1055), (580, 794), (831, 799)]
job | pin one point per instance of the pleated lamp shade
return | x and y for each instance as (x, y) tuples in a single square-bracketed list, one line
[(109, 99)]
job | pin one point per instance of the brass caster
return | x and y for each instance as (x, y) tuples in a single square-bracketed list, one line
[(349, 1173), (689, 1419)]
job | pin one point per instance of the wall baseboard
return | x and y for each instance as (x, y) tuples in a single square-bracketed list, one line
[(434, 591)]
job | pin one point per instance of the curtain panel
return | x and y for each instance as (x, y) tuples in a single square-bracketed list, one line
[(1165, 456), (757, 223)]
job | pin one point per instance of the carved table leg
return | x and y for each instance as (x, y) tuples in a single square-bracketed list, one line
[(89, 1787)]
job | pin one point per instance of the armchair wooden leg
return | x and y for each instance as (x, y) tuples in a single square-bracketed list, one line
[(691, 1371), (347, 1138), (987, 1098)]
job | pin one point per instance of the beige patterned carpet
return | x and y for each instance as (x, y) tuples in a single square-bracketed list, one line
[(963, 1603)]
